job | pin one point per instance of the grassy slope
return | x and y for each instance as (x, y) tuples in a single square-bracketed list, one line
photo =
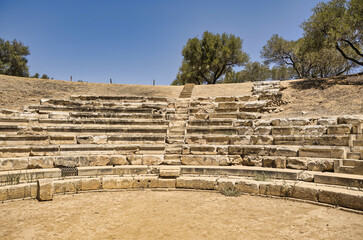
[(321, 97)]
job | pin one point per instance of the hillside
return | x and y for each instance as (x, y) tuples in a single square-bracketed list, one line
[(336, 96)]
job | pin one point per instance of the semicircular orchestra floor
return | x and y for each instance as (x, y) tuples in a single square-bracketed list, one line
[(174, 215)]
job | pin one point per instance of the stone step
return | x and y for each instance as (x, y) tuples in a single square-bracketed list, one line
[(69, 150), (211, 122), (118, 98), (115, 115), (91, 130), (354, 155), (170, 159), (349, 166), (70, 103), (348, 180), (106, 121), (177, 139), (358, 143), (54, 108), (8, 129), (90, 139)]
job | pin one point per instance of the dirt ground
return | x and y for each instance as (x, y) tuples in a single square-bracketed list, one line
[(307, 98), (173, 215)]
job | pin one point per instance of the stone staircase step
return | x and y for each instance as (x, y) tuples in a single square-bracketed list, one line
[(115, 115), (348, 180), (354, 155), (358, 143), (89, 109)]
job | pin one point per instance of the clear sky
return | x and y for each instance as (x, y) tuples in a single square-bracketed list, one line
[(137, 41)]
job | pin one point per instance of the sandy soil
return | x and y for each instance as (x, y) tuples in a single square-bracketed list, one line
[(173, 215), (233, 89)]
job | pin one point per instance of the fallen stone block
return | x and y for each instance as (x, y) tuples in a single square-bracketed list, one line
[(45, 189)]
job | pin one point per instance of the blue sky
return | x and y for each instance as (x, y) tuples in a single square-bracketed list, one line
[(137, 41)]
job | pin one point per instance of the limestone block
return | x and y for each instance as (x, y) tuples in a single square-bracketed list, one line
[(274, 162), (45, 189), (341, 197), (262, 140), (71, 161), (255, 150), (257, 104), (304, 192), (222, 150), (90, 184), (166, 183), (203, 183), (262, 122), (235, 150), (15, 151), (298, 163), (248, 115), (280, 122), (3, 194), (288, 151), (322, 152), (227, 104), (354, 120), (245, 130), (224, 99), (244, 98), (203, 150), (274, 189), (328, 140), (118, 160), (169, 172), (117, 182), (100, 160), (145, 182), (339, 129), (282, 131), (299, 121), (314, 130), (152, 159), (41, 162), (234, 160), (239, 140), (327, 121), (44, 151), (262, 130), (15, 191), (185, 150), (240, 123), (13, 163), (134, 159), (306, 176), (223, 183), (289, 140), (247, 186), (204, 160), (321, 164), (252, 161)]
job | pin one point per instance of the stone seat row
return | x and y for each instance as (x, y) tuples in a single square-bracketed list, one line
[(336, 189), (323, 140), (244, 150)]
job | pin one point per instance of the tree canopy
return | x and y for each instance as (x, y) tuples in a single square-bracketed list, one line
[(337, 24), (13, 58), (208, 59)]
